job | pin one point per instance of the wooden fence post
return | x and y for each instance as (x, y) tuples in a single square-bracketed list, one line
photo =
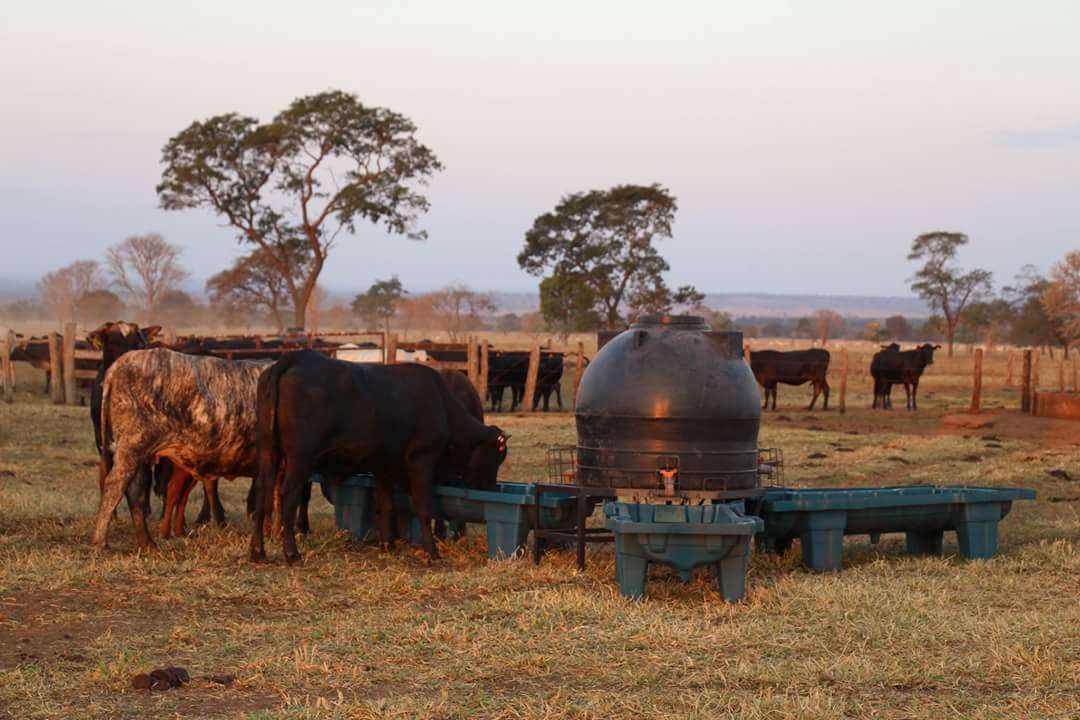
[(390, 351), (56, 370), (976, 386), (579, 369), (1025, 384), (1009, 370), (843, 381), (482, 387), (1061, 374), (530, 378), (71, 388), (471, 360), (1035, 370), (168, 335), (5, 367)]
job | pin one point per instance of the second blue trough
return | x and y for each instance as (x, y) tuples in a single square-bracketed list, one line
[(506, 511), (819, 518)]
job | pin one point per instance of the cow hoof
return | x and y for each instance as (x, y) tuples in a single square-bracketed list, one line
[(296, 559), (258, 556)]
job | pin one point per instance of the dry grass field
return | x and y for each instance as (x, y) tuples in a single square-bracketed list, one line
[(358, 633)]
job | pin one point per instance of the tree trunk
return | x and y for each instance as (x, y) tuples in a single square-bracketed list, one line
[(300, 302), (950, 331)]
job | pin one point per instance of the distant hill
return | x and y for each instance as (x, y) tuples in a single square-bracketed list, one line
[(767, 305)]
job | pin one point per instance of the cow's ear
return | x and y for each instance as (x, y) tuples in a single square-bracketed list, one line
[(149, 333), (95, 340), (937, 347)]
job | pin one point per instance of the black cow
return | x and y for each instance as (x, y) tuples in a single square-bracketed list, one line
[(511, 370), (883, 390), (895, 367), (791, 368), (334, 418)]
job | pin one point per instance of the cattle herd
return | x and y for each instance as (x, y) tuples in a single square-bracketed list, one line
[(170, 418)]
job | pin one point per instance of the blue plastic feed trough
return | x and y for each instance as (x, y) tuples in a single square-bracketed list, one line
[(507, 510), (684, 537), (821, 518)]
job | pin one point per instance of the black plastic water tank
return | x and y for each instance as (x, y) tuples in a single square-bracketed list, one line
[(669, 407)]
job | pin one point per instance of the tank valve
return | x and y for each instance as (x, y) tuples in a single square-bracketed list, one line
[(669, 481)]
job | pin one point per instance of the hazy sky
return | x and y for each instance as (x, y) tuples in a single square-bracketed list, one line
[(806, 142)]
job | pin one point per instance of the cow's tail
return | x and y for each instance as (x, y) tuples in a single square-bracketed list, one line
[(105, 459), (267, 441)]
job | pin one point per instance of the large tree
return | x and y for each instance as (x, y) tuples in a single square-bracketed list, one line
[(944, 286), (603, 239), (380, 303), (1061, 298), (145, 267), (458, 309), (253, 284), (321, 166), (990, 317)]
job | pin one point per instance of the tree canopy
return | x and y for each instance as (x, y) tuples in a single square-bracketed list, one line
[(944, 286), (600, 243), (322, 166), (379, 304)]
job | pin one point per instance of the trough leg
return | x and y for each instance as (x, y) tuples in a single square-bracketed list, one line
[(924, 542), (633, 572), (730, 573), (822, 537), (976, 530)]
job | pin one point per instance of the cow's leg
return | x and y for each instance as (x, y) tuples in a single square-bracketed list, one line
[(302, 522), (558, 395), (190, 482), (263, 486), (212, 501), (813, 399), (421, 474), (139, 506), (296, 476), (774, 388), (125, 465), (915, 394), (907, 395), (825, 390), (175, 488)]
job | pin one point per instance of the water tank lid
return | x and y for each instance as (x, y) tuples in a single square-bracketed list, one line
[(689, 322)]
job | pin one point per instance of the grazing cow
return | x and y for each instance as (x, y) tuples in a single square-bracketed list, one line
[(896, 367), (791, 368), (196, 411), (334, 418)]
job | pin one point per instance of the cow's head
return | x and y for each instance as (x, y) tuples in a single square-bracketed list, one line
[(927, 351), (482, 469), (117, 338)]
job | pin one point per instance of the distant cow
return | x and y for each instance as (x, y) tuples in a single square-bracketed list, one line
[(319, 415), (195, 411), (372, 353), (883, 390), (797, 367), (510, 369), (900, 367)]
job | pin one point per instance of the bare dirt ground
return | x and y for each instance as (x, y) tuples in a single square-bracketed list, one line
[(358, 633)]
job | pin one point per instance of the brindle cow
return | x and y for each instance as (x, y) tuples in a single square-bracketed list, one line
[(196, 411)]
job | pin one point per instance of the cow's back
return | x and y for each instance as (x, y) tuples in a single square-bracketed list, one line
[(199, 411)]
